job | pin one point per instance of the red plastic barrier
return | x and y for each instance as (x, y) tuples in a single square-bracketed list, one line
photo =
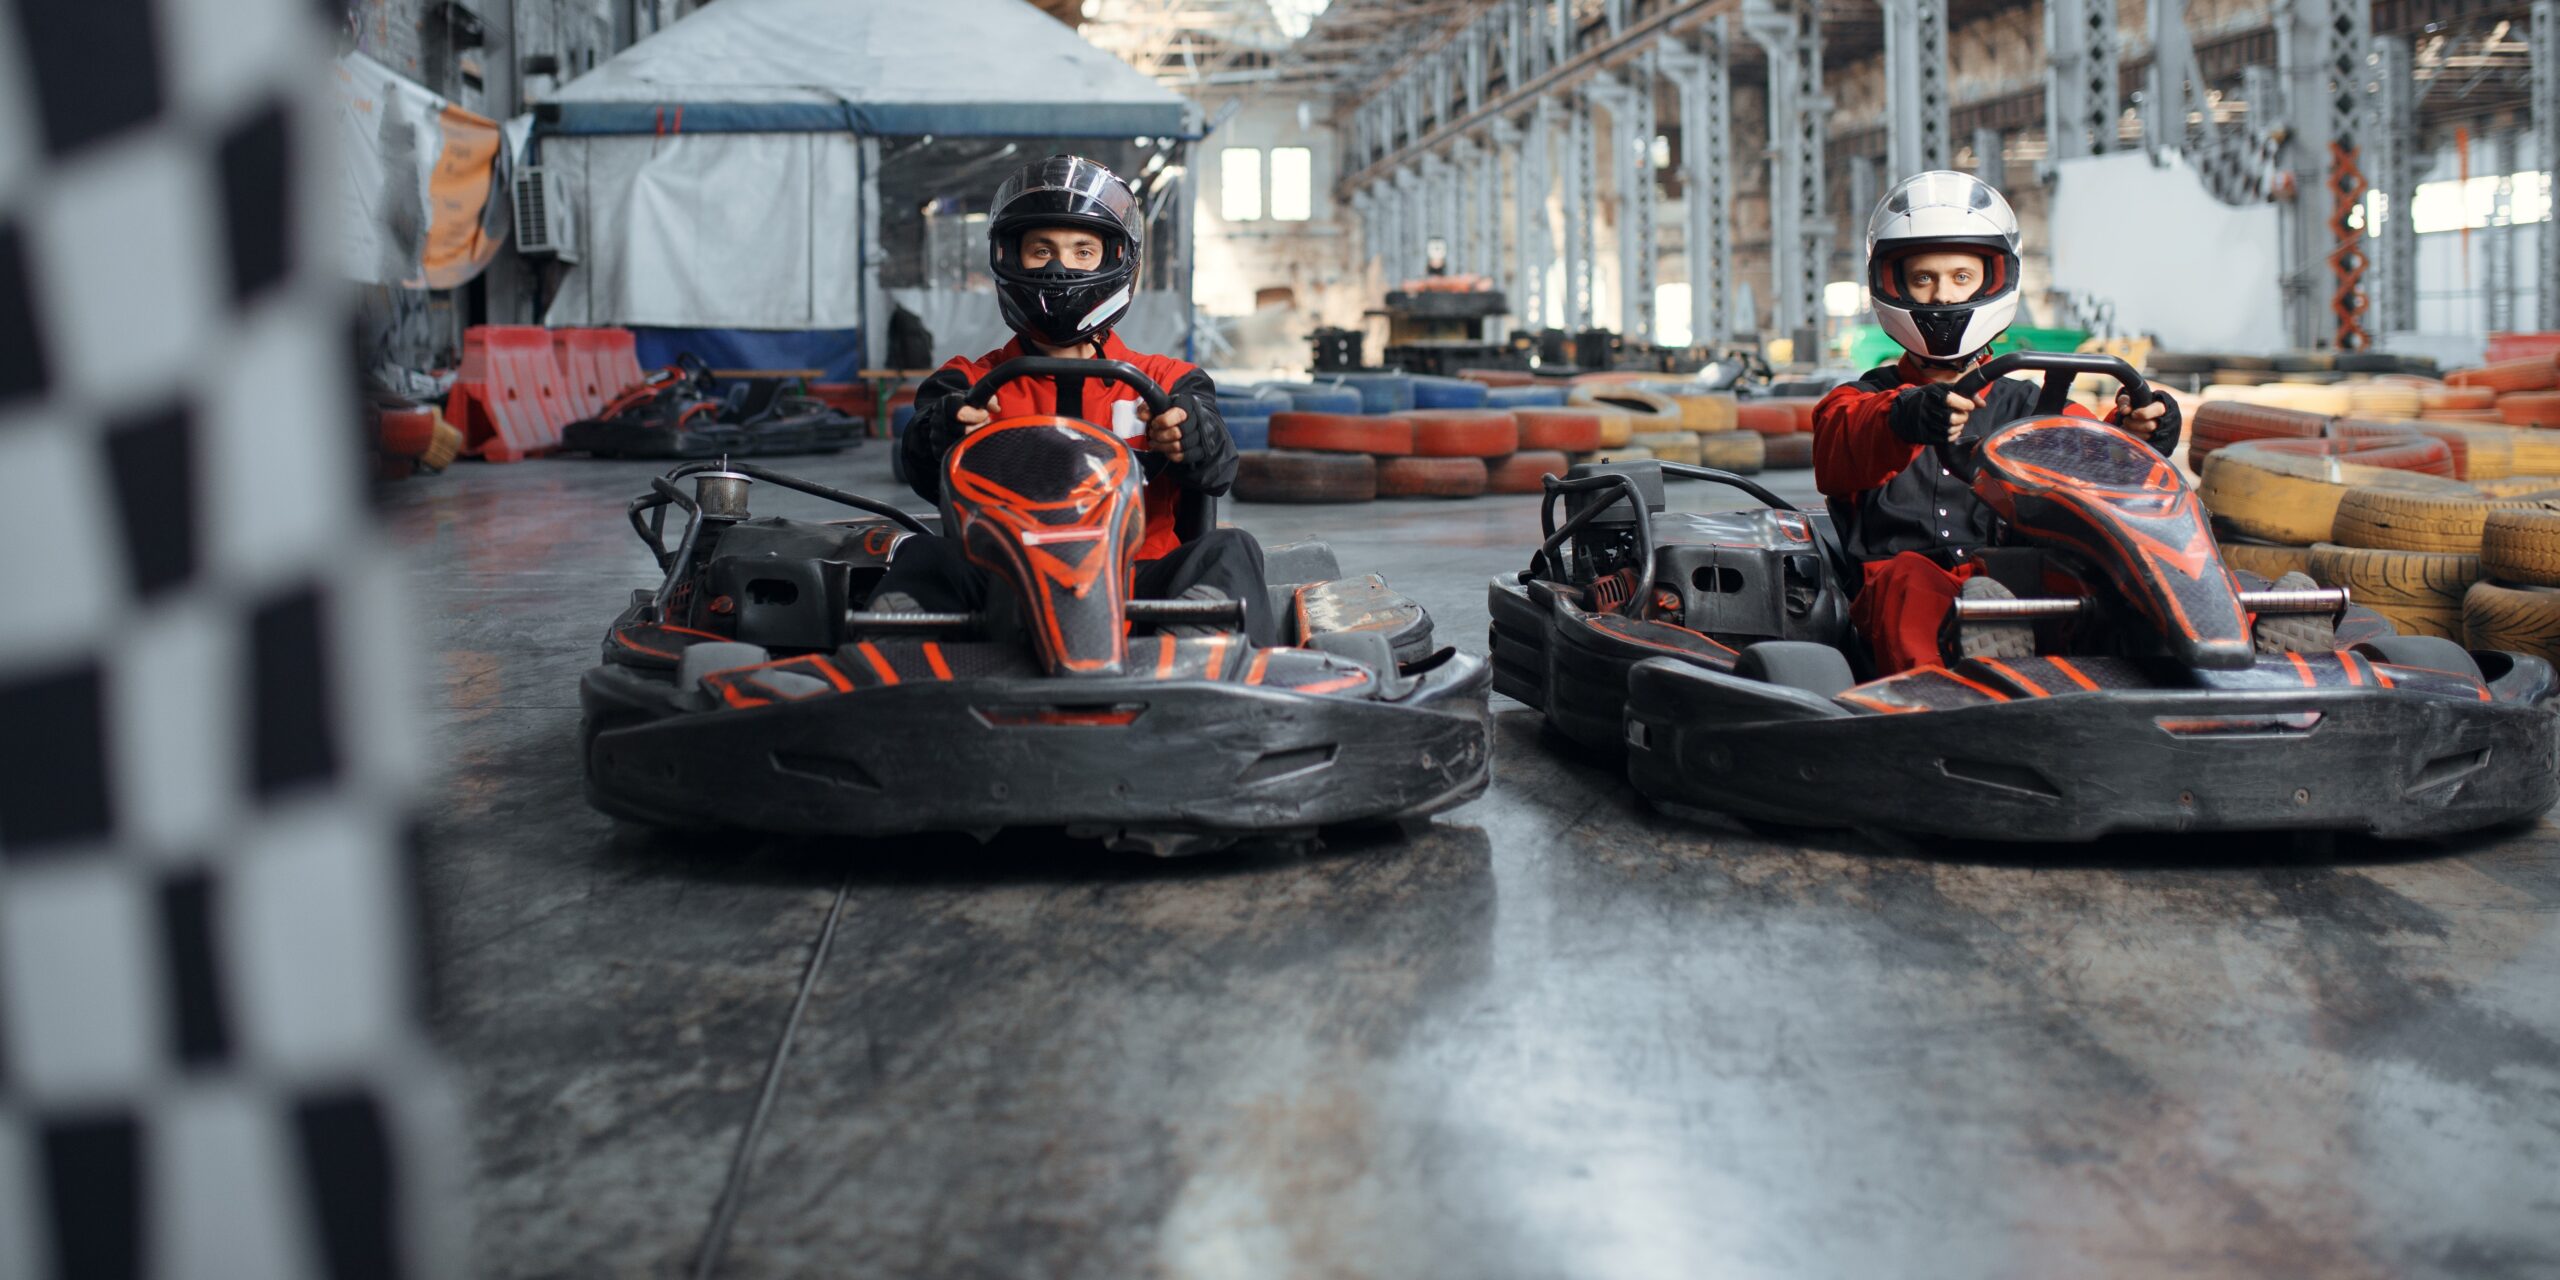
[(595, 366), (508, 399)]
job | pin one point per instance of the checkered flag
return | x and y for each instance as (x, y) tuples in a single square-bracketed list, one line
[(211, 1057)]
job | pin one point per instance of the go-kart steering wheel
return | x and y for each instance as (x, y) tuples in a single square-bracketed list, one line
[(1120, 371), (2056, 394)]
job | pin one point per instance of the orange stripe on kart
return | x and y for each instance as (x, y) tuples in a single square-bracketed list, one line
[(933, 658), (2308, 680), (1165, 649), (2064, 666), (871, 654), (2018, 676)]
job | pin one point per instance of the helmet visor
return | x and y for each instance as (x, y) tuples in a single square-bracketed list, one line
[(1069, 188)]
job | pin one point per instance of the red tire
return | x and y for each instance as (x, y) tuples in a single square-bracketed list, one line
[(2530, 408), (2455, 440), (2410, 452), (1431, 477), (2431, 399), (1524, 472), (1567, 430), (2537, 374), (1385, 435), (1795, 450), (2221, 422), (1498, 377), (1768, 417), (1276, 476), (1463, 433), (1804, 414)]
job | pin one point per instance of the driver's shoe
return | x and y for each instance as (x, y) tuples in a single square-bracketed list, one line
[(1994, 639), (896, 602), (2296, 632)]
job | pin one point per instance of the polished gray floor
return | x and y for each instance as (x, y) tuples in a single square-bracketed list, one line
[(1553, 1036)]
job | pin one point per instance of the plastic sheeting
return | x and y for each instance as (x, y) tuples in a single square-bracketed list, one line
[(880, 67), (736, 231), (421, 182), (2192, 272), (967, 322)]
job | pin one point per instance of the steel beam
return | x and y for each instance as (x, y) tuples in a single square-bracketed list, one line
[(2499, 239), (1629, 106), (1466, 254), (2321, 46), (2081, 99), (2390, 152), (2545, 39), (1915, 80), (1990, 161), (1702, 75), (1581, 213), (1790, 31), (1534, 231), (1488, 209)]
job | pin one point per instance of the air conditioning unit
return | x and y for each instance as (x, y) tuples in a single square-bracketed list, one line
[(546, 226)]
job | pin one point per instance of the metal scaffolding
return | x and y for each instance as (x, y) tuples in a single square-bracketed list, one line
[(2082, 99), (1915, 86), (1581, 213), (1790, 31), (2321, 47), (2546, 144), (1701, 75), (1630, 107), (2498, 239), (1532, 230), (2391, 279)]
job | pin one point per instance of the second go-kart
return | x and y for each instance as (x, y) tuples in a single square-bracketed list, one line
[(674, 413), (1714, 651), (753, 688)]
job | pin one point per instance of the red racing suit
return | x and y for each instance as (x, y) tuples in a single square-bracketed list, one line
[(1900, 515), (1208, 452)]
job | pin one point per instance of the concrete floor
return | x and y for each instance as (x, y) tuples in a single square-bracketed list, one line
[(1554, 1036)]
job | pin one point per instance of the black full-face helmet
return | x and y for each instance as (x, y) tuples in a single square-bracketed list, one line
[(1057, 304)]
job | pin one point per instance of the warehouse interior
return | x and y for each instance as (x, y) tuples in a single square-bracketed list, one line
[(1553, 715)]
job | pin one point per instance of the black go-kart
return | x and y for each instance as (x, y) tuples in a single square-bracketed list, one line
[(675, 413), (753, 688), (1714, 652)]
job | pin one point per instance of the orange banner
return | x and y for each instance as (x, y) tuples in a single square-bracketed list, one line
[(459, 243)]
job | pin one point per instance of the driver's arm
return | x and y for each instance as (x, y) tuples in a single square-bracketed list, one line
[(933, 430)]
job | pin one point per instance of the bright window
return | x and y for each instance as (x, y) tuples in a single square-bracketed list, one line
[(1293, 171), (1240, 184), (1671, 313), (2454, 204)]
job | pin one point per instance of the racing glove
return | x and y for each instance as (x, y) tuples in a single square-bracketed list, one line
[(1920, 414), (2165, 432)]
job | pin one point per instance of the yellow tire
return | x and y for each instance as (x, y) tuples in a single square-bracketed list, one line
[(1616, 427), (2514, 618), (1712, 412), (2537, 450), (2516, 486), (1670, 446), (2522, 544), (2391, 520), (2387, 580), (1622, 453), (2292, 500), (2409, 620), (1742, 452), (2267, 561)]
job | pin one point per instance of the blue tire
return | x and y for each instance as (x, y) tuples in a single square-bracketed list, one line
[(1322, 398), (1447, 393), (1380, 392)]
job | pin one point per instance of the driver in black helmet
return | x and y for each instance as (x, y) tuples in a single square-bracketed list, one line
[(1063, 242)]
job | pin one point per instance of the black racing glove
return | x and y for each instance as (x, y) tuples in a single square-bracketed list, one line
[(2165, 432), (1920, 414)]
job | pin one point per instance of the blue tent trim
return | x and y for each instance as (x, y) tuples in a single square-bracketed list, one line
[(947, 119), (838, 352)]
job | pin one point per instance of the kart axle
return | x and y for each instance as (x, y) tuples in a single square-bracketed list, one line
[(1228, 613), (2331, 600)]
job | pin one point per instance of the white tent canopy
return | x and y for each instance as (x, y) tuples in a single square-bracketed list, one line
[(724, 173)]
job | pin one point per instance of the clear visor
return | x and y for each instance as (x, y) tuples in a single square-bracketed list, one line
[(1069, 184)]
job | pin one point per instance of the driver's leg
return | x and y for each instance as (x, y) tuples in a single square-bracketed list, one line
[(1227, 559), (1901, 606), (929, 574)]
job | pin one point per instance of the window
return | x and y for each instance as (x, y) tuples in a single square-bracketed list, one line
[(1240, 184), (1293, 172), (2454, 204)]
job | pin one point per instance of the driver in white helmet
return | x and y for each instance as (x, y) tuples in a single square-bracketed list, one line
[(1942, 269)]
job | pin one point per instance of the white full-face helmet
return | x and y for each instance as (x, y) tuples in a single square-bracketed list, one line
[(1934, 211)]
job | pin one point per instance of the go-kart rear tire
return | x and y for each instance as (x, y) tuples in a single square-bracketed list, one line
[(1281, 475), (2427, 653), (1817, 669)]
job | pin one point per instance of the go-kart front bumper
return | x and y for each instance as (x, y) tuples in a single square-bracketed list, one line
[(1135, 757), (2383, 761)]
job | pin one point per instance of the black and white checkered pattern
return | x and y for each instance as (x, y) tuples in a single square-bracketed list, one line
[(211, 1061)]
